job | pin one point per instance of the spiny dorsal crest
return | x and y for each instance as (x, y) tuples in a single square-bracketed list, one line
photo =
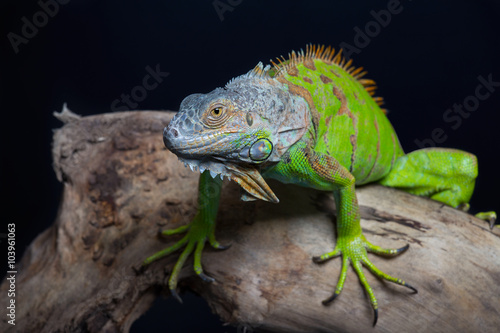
[(259, 72), (327, 55)]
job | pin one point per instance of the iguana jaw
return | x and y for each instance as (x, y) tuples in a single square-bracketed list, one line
[(248, 177)]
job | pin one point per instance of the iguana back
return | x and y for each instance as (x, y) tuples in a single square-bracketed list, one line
[(348, 122)]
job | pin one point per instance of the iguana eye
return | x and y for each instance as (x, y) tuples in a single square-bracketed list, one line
[(216, 116), (216, 112)]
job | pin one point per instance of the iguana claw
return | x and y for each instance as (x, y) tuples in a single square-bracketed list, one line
[(490, 217), (176, 295), (206, 278), (330, 299)]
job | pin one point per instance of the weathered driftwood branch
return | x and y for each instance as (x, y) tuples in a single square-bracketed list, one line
[(121, 185)]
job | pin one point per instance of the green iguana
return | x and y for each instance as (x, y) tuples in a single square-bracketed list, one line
[(309, 120)]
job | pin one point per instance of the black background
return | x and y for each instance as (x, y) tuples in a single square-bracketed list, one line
[(89, 53)]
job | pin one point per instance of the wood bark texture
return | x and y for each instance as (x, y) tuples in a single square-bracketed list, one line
[(121, 186)]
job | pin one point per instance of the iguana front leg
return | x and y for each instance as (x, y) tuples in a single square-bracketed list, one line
[(201, 229), (353, 247), (304, 166)]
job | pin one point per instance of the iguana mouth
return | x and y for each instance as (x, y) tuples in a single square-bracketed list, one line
[(248, 177)]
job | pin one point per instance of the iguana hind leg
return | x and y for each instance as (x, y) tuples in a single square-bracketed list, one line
[(442, 174)]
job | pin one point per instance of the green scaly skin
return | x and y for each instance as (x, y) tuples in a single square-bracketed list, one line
[(310, 120)]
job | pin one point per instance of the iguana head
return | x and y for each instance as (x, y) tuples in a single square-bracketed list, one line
[(232, 131)]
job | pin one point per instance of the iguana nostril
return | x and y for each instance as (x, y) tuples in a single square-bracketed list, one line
[(168, 135)]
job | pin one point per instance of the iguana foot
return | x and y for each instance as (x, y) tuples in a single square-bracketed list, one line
[(490, 217), (196, 235), (355, 252)]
